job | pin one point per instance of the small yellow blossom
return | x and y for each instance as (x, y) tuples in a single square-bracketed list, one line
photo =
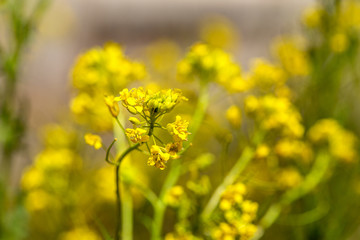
[(134, 120), (218, 32), (293, 57), (289, 178), (233, 195), (111, 103), (158, 157), (93, 140), (137, 135), (266, 76), (174, 196), (262, 151), (233, 115), (37, 200), (312, 17), (32, 178), (174, 148), (178, 129)]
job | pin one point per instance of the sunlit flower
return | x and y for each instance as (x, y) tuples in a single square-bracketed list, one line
[(158, 157), (137, 135)]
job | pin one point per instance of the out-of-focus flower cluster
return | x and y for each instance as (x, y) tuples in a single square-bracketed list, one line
[(96, 73)]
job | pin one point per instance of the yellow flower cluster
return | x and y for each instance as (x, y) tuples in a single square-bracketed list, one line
[(178, 129), (174, 196), (218, 32), (312, 17), (265, 76), (105, 69), (99, 72), (292, 56), (293, 149), (53, 160), (137, 135), (91, 111), (207, 63), (233, 115), (289, 178), (275, 113), (342, 143), (159, 157), (238, 213), (148, 104)]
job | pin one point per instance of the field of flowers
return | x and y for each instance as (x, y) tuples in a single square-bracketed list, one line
[(187, 144)]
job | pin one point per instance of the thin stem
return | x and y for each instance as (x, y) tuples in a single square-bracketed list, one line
[(117, 180), (126, 214), (230, 178), (108, 153)]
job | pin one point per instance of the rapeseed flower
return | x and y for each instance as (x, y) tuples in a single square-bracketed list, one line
[(158, 157)]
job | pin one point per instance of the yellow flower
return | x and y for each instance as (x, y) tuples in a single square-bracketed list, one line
[(32, 178), (158, 157), (179, 129), (289, 178), (149, 104), (105, 70), (207, 63), (174, 196), (93, 140), (137, 135), (266, 76), (174, 148), (232, 196), (218, 32), (312, 17), (262, 151), (233, 115), (293, 57), (111, 103)]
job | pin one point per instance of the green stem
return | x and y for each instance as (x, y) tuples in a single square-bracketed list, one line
[(230, 178), (126, 203), (160, 206), (117, 179), (127, 214), (312, 180), (199, 114)]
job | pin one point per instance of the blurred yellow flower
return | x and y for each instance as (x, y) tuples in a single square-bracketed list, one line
[(233, 115), (93, 140)]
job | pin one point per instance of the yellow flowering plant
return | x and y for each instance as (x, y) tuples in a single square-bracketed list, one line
[(268, 152)]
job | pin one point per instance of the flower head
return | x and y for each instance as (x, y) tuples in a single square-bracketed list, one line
[(149, 104), (178, 129), (158, 157), (111, 103), (137, 135), (93, 140)]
